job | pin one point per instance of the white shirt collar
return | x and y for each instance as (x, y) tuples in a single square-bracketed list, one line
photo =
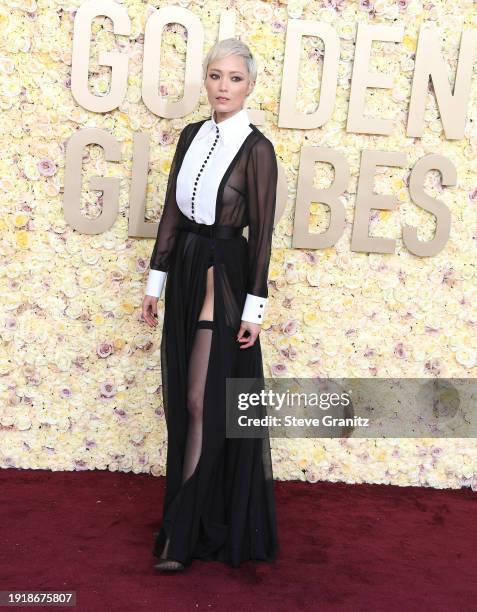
[(230, 129)]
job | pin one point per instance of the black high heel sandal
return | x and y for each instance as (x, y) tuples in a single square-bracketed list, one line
[(168, 565)]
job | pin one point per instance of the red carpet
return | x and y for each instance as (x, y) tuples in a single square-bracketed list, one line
[(344, 547)]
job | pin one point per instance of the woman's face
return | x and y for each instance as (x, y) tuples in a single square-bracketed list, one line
[(228, 78)]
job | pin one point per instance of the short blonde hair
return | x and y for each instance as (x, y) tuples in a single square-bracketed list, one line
[(231, 46)]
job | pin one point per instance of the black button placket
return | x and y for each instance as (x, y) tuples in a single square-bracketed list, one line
[(202, 169)]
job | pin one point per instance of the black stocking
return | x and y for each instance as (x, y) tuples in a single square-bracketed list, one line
[(196, 377)]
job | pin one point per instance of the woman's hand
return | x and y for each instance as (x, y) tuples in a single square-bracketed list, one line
[(149, 310), (253, 329)]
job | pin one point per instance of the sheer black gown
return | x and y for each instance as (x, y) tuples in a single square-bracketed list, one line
[(219, 501)]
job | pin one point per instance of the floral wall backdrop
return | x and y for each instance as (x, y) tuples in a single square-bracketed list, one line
[(80, 376)]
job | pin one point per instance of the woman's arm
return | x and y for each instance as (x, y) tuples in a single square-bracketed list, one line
[(262, 174), (167, 229)]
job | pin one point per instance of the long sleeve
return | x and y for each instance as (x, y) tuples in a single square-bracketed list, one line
[(262, 175), (167, 229)]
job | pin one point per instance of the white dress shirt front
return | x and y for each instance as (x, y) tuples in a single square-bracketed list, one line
[(201, 208)]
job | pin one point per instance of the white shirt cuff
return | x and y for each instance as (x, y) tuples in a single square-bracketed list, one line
[(155, 282), (254, 309)]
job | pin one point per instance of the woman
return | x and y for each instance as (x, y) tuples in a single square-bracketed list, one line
[(219, 501)]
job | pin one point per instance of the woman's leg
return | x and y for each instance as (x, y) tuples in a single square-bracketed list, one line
[(196, 379)]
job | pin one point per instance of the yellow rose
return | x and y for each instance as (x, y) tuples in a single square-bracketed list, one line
[(22, 239)]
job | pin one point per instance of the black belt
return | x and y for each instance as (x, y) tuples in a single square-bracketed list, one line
[(213, 231)]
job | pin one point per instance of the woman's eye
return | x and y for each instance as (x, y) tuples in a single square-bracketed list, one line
[(234, 78)]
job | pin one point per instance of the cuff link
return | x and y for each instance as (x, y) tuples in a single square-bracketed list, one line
[(254, 308)]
